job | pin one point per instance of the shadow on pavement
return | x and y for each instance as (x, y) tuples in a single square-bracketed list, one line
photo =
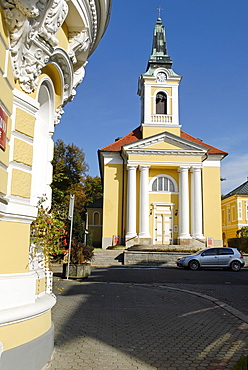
[(152, 326)]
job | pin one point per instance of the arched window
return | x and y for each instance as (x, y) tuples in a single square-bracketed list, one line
[(43, 143), (96, 218), (163, 183), (161, 103)]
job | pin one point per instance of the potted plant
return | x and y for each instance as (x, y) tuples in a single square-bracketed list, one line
[(80, 261)]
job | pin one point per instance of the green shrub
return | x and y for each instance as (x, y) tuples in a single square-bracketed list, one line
[(242, 364), (240, 243)]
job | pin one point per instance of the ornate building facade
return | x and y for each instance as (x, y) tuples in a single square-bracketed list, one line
[(45, 45), (161, 185)]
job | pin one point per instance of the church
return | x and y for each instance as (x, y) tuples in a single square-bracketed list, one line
[(161, 186)]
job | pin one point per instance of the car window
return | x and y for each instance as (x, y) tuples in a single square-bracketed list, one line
[(210, 252), (226, 251)]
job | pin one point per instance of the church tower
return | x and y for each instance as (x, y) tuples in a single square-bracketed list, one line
[(158, 89)]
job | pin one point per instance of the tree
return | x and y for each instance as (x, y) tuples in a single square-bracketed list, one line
[(70, 177), (243, 232), (69, 170), (93, 189)]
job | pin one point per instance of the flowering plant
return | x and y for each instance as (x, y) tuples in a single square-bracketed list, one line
[(80, 253), (48, 230)]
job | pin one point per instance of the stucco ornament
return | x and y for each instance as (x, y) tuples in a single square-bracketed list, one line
[(79, 42), (32, 26), (57, 115)]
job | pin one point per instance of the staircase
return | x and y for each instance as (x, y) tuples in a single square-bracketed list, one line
[(107, 257)]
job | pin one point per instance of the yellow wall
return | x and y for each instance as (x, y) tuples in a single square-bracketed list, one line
[(165, 146), (230, 225), (112, 206), (24, 122), (62, 36), (7, 97), (3, 182), (40, 286), (4, 156), (211, 202), (52, 72), (14, 247), (21, 183), (20, 333), (148, 131), (23, 152), (154, 89), (3, 28)]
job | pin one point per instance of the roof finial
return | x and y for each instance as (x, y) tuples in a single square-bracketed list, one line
[(159, 11)]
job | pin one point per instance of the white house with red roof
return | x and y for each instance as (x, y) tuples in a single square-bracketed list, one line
[(161, 186)]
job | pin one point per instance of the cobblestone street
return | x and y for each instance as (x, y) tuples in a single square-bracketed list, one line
[(130, 326)]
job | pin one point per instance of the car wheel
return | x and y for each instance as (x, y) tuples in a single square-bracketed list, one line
[(194, 265), (235, 266)]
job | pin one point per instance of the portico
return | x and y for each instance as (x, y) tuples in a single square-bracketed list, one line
[(188, 225)]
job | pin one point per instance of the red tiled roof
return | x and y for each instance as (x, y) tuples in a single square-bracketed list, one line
[(133, 136), (212, 149), (136, 135)]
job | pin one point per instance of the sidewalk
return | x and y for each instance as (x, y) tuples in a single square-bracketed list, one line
[(126, 326)]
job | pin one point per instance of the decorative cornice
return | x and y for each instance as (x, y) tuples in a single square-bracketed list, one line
[(20, 166), (25, 102), (94, 20), (32, 27), (57, 115), (29, 311), (79, 42), (17, 209), (182, 153), (61, 61), (186, 145), (21, 136)]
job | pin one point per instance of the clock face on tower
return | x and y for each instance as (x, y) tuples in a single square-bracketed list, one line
[(161, 77)]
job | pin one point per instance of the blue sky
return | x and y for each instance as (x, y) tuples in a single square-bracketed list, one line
[(207, 41)]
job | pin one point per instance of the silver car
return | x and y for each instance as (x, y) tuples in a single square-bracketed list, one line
[(213, 257)]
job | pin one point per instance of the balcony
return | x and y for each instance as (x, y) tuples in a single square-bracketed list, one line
[(161, 118)]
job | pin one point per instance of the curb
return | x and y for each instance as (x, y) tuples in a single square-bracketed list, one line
[(240, 315), (219, 303)]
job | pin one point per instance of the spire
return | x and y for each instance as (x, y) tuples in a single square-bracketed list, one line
[(159, 56)]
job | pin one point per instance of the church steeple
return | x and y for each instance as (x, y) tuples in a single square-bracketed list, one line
[(158, 89), (159, 56)]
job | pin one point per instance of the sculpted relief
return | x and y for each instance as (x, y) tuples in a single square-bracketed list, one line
[(32, 26)]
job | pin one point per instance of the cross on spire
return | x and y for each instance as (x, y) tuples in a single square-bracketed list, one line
[(159, 11)]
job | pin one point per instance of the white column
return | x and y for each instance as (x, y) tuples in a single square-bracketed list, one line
[(144, 203), (196, 202), (183, 203), (131, 202)]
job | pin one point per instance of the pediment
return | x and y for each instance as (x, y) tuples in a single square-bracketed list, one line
[(165, 143)]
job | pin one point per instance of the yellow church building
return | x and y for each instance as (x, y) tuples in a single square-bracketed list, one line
[(234, 207), (161, 185), (44, 48)]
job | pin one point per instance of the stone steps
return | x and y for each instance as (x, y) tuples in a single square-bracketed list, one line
[(115, 257), (106, 257)]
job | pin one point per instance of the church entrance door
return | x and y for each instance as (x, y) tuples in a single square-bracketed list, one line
[(163, 225)]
